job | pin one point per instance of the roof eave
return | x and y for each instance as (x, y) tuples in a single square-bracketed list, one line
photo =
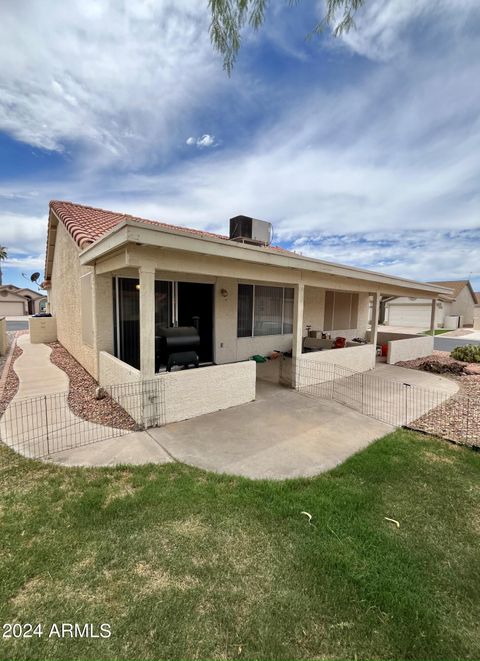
[(129, 231)]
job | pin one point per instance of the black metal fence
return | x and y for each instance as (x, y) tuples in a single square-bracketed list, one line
[(42, 426), (450, 415)]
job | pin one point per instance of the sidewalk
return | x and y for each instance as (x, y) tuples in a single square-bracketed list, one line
[(39, 423)]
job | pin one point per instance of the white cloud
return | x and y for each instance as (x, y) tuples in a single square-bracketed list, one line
[(380, 170), (205, 140), (120, 79)]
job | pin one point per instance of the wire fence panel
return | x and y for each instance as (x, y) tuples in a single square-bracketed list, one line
[(454, 416), (38, 427)]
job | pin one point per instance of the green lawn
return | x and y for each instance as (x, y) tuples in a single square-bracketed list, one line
[(186, 564), (438, 331)]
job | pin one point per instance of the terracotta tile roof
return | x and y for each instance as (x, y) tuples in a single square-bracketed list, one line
[(87, 224)]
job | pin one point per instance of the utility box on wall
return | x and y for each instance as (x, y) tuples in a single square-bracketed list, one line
[(42, 329)]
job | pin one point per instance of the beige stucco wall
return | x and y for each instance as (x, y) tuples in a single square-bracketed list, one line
[(476, 317), (42, 329), (186, 393), (65, 298), (356, 359), (3, 336), (228, 348), (124, 379), (409, 349), (193, 392), (463, 305), (11, 305), (112, 371)]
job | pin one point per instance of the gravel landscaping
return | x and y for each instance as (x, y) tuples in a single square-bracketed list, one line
[(457, 419), (81, 396), (11, 383)]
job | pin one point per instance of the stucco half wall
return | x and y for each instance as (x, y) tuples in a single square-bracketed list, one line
[(186, 393), (409, 349), (42, 329), (193, 392), (309, 369)]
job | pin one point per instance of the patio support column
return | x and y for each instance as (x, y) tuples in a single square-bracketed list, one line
[(433, 316), (297, 338), (147, 322), (375, 311)]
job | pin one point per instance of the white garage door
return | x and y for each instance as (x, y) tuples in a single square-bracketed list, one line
[(410, 315), (11, 309)]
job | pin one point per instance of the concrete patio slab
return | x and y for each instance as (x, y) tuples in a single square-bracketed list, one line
[(280, 435)]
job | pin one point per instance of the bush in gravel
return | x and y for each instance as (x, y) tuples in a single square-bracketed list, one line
[(438, 367), (470, 353)]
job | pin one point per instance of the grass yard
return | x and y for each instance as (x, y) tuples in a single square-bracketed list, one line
[(187, 564), (438, 331)]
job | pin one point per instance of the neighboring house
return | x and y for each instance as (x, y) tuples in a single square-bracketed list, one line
[(415, 311), (20, 301), (120, 286)]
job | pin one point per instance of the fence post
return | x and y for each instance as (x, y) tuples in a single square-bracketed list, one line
[(46, 423), (362, 392)]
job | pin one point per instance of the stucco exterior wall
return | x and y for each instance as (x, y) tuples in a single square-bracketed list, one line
[(42, 329), (356, 359), (3, 336), (463, 305), (193, 392), (65, 297), (114, 372), (476, 317), (409, 349), (11, 305), (313, 308)]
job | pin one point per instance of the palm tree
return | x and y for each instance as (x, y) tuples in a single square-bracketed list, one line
[(3, 255)]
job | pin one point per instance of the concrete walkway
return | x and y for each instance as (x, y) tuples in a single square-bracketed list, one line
[(39, 423)]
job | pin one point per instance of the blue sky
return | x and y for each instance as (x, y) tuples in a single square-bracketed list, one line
[(363, 150)]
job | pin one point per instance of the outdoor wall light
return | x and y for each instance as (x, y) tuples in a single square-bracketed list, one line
[(137, 287), (224, 293)]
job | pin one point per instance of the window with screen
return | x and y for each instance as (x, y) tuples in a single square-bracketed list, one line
[(264, 310), (341, 311)]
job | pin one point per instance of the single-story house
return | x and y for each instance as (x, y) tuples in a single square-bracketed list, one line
[(415, 311), (20, 301), (125, 291)]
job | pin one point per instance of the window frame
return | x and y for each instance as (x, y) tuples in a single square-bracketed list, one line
[(253, 290)]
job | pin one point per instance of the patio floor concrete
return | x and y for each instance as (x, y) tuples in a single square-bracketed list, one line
[(280, 435)]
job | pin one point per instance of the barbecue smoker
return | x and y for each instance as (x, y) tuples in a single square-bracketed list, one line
[(176, 346)]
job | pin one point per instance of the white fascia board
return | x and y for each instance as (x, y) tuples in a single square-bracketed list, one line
[(162, 237)]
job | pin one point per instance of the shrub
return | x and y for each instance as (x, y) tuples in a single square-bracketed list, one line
[(470, 353)]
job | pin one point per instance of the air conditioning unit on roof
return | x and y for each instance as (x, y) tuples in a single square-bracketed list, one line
[(245, 229)]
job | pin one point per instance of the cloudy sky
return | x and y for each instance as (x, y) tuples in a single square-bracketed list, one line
[(363, 150)]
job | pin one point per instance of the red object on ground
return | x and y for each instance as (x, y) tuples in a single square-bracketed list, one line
[(384, 349), (340, 342)]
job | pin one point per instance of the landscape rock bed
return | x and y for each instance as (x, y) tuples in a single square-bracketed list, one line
[(457, 419), (11, 382), (81, 396)]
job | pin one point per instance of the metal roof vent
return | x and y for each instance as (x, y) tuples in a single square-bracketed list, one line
[(251, 230)]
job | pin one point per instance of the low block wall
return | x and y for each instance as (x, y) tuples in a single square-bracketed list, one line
[(114, 372), (354, 359), (409, 349), (193, 392), (383, 337), (3, 336), (42, 329)]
